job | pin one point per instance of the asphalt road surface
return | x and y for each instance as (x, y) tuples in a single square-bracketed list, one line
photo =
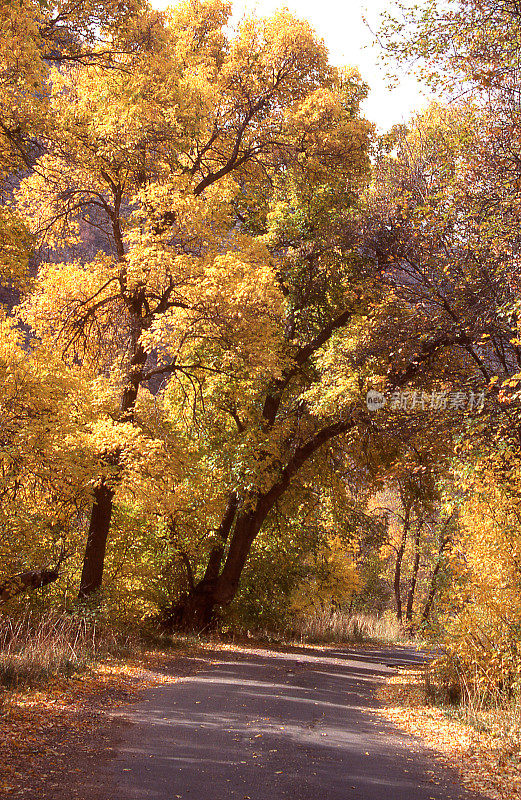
[(261, 725)]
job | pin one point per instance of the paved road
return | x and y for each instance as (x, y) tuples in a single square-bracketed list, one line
[(262, 725)]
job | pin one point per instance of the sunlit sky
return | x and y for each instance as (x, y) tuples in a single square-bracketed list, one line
[(350, 42)]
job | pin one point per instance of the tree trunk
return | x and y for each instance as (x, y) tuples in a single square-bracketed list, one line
[(414, 578), (398, 569), (246, 529), (196, 609), (397, 581), (434, 581), (432, 594), (94, 559), (101, 514)]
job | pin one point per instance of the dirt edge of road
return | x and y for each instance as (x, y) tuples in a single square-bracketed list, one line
[(58, 730)]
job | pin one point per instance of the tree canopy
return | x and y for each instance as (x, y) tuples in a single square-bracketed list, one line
[(211, 264)]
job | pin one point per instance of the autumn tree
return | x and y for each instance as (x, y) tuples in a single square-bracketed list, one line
[(36, 36), (400, 336), (205, 263), (169, 157), (462, 47), (46, 461), (306, 556)]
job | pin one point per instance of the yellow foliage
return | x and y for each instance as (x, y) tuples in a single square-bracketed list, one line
[(332, 582), (483, 620)]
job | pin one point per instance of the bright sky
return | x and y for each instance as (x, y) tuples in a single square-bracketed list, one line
[(349, 42)]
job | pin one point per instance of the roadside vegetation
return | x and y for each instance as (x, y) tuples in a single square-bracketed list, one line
[(478, 735), (42, 646)]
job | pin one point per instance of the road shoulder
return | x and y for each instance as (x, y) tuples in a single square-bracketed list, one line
[(479, 757)]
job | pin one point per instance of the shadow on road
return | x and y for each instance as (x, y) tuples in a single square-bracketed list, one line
[(268, 725)]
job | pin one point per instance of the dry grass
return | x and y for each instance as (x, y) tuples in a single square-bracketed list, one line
[(339, 626), (465, 696), (35, 648), (481, 741), (499, 720)]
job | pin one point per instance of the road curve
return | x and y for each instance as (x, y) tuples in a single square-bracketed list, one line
[(264, 725)]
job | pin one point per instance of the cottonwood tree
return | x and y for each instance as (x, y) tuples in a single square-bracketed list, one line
[(47, 458), (164, 157), (35, 37), (369, 344), (478, 45)]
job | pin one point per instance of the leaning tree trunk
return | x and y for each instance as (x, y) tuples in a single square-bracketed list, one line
[(197, 610)]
